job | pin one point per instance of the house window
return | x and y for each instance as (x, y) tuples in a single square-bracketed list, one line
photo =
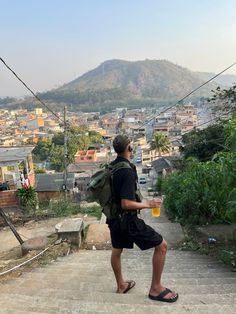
[(10, 168)]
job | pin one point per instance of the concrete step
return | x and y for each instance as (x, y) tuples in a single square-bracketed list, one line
[(141, 256), (91, 275), (135, 254), (184, 259), (51, 305), (31, 287), (63, 277), (142, 270), (84, 283)]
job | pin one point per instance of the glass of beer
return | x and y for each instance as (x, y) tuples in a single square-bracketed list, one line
[(156, 211)]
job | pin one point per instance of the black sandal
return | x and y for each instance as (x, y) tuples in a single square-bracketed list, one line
[(161, 296), (131, 284)]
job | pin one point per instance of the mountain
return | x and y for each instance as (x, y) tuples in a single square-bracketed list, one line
[(226, 80), (132, 84), (119, 83), (158, 79)]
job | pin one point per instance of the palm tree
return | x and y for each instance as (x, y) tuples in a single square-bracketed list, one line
[(160, 143)]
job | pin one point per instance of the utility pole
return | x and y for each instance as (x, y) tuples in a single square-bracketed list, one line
[(65, 150)]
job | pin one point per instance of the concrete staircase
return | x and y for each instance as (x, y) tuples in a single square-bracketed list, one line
[(84, 283)]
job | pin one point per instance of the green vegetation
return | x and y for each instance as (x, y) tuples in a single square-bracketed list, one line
[(159, 185), (38, 169), (28, 198), (160, 143), (224, 100), (53, 150), (205, 191), (204, 144), (66, 207), (222, 250)]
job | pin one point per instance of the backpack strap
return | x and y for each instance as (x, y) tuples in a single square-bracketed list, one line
[(118, 166), (113, 169)]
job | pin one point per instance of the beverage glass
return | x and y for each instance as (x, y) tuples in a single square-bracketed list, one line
[(156, 211)]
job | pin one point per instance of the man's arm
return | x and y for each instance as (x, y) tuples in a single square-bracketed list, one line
[(133, 205)]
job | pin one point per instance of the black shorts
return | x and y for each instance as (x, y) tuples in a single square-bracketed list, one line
[(144, 236)]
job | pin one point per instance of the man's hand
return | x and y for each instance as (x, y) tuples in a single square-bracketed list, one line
[(133, 205), (156, 202)]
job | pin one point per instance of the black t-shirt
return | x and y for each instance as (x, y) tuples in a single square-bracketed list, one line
[(124, 181)]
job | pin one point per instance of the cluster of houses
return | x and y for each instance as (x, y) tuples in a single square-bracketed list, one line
[(19, 128)]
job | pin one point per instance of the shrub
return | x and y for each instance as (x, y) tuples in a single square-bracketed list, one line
[(28, 198), (159, 184), (203, 192)]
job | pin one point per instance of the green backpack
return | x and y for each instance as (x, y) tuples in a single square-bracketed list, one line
[(101, 188)]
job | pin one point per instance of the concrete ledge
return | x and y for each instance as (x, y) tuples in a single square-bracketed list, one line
[(71, 229)]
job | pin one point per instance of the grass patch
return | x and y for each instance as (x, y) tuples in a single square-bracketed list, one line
[(95, 211), (223, 251), (64, 208)]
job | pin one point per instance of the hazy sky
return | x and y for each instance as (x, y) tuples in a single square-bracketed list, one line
[(51, 42)]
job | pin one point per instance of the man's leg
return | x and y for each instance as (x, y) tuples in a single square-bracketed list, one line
[(122, 285), (158, 262)]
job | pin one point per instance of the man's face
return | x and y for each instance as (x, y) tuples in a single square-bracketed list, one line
[(131, 151)]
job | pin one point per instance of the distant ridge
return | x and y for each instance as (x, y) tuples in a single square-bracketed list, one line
[(132, 84), (158, 79), (226, 80)]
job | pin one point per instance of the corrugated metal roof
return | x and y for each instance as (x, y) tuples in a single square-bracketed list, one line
[(10, 155), (85, 166)]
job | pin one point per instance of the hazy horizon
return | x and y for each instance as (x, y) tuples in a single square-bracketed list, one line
[(52, 43)]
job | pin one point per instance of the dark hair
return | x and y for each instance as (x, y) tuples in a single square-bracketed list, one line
[(120, 143)]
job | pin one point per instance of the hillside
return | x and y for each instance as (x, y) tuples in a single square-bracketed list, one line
[(226, 80), (117, 82), (150, 78)]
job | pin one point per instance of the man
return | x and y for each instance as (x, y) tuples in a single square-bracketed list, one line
[(130, 229)]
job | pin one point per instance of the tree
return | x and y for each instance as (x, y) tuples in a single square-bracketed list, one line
[(160, 143), (230, 132), (95, 137), (79, 138), (42, 150), (224, 100), (204, 144), (57, 157)]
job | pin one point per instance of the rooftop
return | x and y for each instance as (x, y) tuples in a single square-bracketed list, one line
[(12, 155)]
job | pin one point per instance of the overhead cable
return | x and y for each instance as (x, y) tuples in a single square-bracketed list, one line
[(190, 93), (43, 103)]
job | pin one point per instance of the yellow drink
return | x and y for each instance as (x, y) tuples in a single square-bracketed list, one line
[(156, 211)]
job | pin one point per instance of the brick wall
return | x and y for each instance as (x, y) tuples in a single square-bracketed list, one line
[(8, 199)]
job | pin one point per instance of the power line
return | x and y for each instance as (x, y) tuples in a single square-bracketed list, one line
[(206, 122), (19, 79), (190, 93)]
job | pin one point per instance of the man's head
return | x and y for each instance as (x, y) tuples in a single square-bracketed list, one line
[(121, 143)]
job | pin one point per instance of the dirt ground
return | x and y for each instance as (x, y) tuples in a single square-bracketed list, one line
[(10, 249), (13, 257)]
